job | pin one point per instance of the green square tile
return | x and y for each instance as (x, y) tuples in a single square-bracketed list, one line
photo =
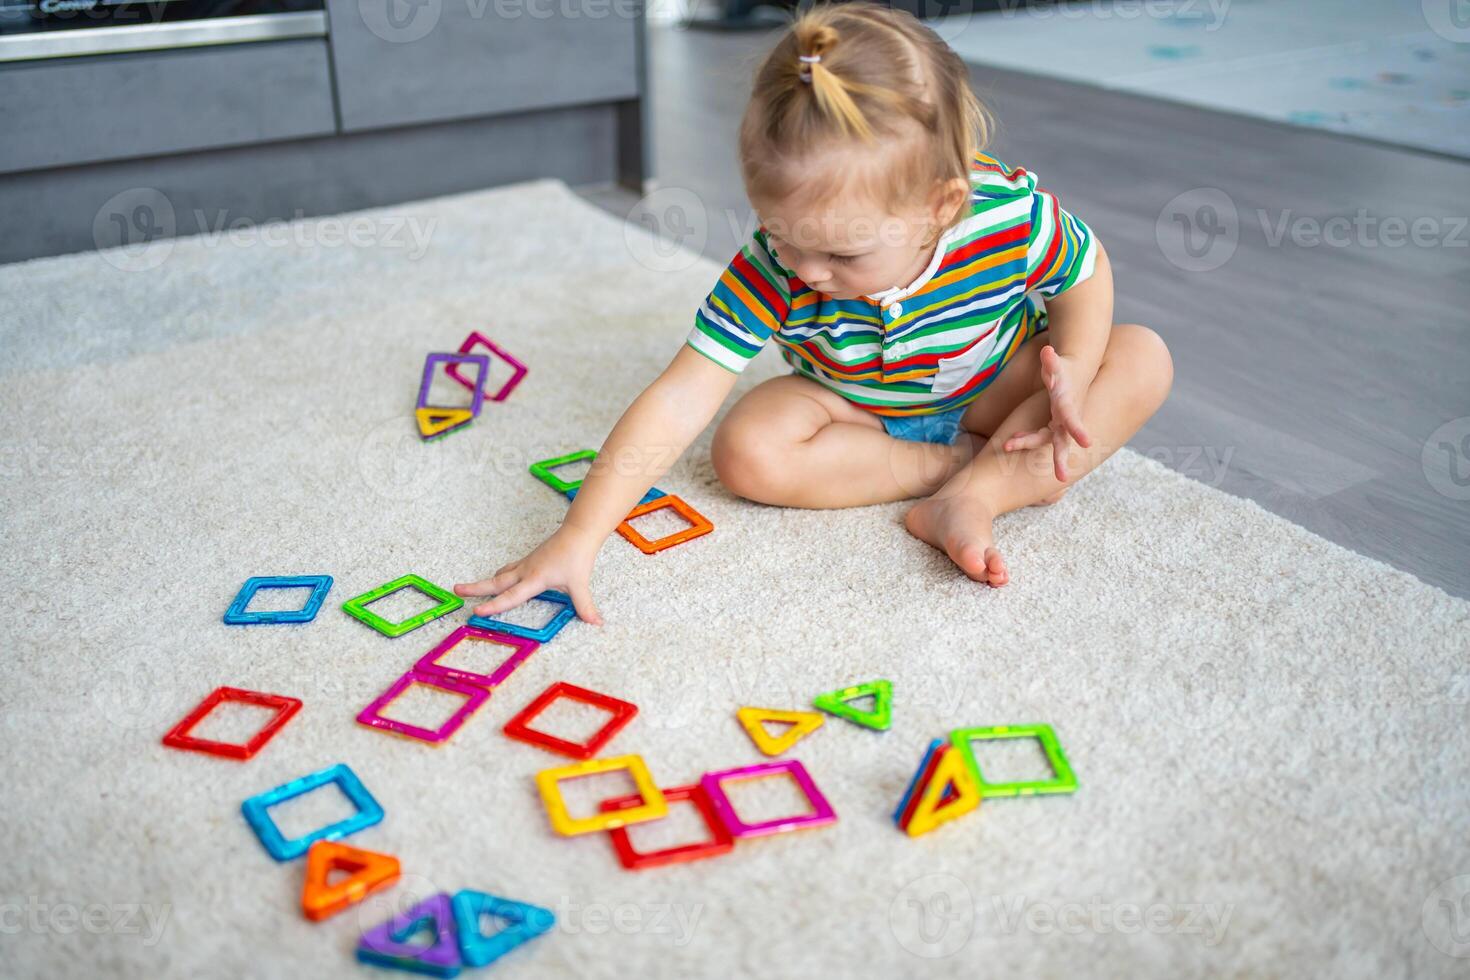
[(1063, 779), (542, 470), (357, 607)]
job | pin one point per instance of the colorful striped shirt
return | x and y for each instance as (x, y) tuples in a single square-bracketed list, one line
[(927, 347)]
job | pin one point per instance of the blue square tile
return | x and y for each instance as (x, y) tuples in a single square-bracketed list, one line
[(653, 494), (320, 585), (256, 811), (563, 616)]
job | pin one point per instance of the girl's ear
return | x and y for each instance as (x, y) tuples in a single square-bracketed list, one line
[(947, 199)]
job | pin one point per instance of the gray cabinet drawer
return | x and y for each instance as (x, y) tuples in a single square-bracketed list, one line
[(81, 110), (400, 62)]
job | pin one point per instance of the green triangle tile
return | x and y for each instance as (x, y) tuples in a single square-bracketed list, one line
[(880, 718)]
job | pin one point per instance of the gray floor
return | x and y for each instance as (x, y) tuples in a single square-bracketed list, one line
[(1312, 370)]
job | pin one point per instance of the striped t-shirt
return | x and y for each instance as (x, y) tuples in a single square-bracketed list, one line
[(927, 347)]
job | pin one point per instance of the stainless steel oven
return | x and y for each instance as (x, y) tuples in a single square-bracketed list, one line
[(31, 29)]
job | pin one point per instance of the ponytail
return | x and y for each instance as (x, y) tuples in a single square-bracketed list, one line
[(866, 73)]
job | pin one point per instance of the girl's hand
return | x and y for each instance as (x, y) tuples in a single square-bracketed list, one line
[(1066, 386), (563, 561)]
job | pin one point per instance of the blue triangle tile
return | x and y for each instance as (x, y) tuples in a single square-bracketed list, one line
[(523, 923)]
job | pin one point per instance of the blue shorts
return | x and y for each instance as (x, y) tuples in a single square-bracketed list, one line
[(941, 427)]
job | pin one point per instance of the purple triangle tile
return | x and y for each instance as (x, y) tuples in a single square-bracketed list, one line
[(389, 940)]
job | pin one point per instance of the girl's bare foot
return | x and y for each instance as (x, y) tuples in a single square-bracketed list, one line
[(959, 526), (1048, 501)]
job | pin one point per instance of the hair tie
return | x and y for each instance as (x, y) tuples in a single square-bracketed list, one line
[(808, 59)]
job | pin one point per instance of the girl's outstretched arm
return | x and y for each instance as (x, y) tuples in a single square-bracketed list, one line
[(651, 435)]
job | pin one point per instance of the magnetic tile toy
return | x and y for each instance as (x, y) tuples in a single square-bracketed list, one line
[(518, 370), (477, 396), (520, 648), (653, 494), (652, 806), (921, 778), (720, 840), (372, 715), (179, 737), (542, 470), (541, 634), (522, 923), (948, 791), (239, 615), (256, 812), (699, 525), (1063, 779), (879, 718), (713, 783), (393, 943), (356, 607), (801, 724), (620, 713), (437, 422), (367, 872)]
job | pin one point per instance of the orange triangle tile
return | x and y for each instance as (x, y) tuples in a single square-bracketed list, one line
[(367, 871)]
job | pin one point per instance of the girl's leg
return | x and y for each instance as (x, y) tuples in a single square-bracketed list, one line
[(792, 442), (1132, 382)]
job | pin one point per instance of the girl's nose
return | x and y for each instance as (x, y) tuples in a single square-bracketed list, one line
[(809, 270)]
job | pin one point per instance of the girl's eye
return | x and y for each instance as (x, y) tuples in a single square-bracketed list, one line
[(845, 259)]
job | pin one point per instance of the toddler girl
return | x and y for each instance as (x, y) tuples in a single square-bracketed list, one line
[(897, 268)]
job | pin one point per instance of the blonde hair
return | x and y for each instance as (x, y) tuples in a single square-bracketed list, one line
[(860, 73)]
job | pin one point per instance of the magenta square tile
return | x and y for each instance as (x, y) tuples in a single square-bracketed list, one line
[(474, 697), (517, 369), (521, 648), (822, 812)]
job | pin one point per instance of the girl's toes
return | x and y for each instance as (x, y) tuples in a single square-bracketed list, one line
[(971, 559), (995, 568)]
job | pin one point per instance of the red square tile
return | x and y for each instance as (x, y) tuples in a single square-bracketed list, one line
[(719, 842), (621, 713), (179, 737)]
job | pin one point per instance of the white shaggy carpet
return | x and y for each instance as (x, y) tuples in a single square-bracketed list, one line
[(1270, 731)]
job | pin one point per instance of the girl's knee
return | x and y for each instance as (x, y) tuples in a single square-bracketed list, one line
[(1146, 358), (744, 458)]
